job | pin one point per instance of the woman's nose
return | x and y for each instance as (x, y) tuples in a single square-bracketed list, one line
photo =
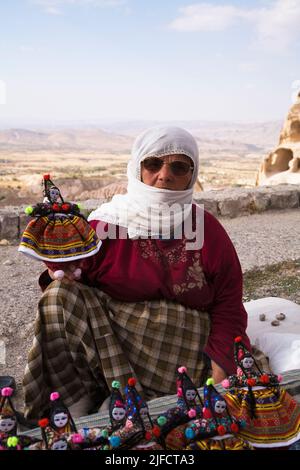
[(165, 172)]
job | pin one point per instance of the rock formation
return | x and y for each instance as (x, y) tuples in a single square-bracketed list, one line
[(282, 166)]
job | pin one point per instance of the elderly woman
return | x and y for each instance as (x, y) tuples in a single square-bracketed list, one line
[(146, 302)]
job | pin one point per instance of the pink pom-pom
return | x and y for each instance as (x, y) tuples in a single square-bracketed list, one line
[(77, 273), (7, 392), (192, 413), (119, 404), (279, 378), (179, 392), (225, 383), (59, 274), (182, 370), (77, 438), (54, 396)]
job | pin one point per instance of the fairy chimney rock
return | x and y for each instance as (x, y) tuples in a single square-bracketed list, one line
[(282, 166)]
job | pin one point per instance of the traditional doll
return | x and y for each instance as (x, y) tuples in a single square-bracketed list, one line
[(58, 427), (271, 415), (10, 439), (8, 417), (189, 406), (58, 233), (117, 407), (138, 432), (217, 430)]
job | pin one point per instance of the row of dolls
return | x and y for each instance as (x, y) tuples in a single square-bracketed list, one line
[(255, 412)]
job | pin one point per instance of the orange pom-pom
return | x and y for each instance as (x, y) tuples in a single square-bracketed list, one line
[(46, 177), (251, 382), (148, 436), (265, 379), (55, 207), (238, 339), (221, 430), (43, 422), (234, 427), (131, 382), (156, 431)]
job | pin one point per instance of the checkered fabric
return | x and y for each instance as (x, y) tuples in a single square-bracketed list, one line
[(84, 340)]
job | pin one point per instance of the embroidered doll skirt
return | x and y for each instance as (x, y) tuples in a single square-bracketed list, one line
[(277, 417)]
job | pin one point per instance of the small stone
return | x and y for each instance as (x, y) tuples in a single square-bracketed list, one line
[(275, 323), (4, 242), (8, 262), (280, 316), (262, 317)]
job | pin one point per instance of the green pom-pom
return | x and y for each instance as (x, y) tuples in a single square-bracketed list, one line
[(161, 420), (210, 381), (116, 384), (104, 433), (12, 441), (28, 210), (80, 206)]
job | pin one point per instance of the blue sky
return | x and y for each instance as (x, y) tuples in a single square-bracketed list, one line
[(148, 59)]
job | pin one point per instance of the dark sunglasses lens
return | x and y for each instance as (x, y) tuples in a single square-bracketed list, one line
[(153, 164), (180, 168)]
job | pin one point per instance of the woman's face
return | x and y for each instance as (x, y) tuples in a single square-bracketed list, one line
[(165, 178)]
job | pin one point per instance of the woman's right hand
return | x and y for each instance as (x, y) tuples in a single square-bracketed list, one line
[(72, 272)]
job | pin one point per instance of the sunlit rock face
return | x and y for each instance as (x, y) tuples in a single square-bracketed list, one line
[(282, 166)]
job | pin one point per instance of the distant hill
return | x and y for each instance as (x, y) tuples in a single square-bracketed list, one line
[(117, 137), (64, 139)]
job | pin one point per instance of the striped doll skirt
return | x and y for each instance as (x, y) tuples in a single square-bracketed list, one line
[(277, 417)]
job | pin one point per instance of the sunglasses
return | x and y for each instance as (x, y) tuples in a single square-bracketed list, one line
[(178, 168)]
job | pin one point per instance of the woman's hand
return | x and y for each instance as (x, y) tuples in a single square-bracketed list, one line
[(218, 374), (72, 272)]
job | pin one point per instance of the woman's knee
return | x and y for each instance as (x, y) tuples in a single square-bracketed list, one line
[(60, 293)]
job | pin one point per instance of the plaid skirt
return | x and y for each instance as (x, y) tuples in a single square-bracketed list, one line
[(84, 340)]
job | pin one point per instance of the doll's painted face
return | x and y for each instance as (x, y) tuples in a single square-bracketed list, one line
[(61, 444), (144, 412), (54, 194), (220, 406), (248, 362), (118, 413), (190, 394), (7, 423), (60, 419)]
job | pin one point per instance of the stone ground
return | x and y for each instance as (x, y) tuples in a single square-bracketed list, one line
[(268, 246)]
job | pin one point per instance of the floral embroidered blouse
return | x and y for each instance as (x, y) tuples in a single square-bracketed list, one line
[(207, 279)]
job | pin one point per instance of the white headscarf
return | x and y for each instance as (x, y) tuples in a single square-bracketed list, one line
[(142, 202)]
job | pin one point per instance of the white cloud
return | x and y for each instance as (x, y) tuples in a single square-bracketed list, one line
[(276, 26), (205, 17), (55, 7), (53, 11)]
